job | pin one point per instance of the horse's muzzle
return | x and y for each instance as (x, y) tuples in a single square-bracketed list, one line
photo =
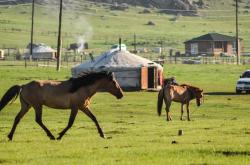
[(198, 104), (120, 96)]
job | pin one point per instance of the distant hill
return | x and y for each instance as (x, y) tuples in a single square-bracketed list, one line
[(13, 2), (183, 7)]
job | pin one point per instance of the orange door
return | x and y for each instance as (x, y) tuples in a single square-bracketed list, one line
[(144, 78)]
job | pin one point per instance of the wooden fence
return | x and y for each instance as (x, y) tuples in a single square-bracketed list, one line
[(204, 60)]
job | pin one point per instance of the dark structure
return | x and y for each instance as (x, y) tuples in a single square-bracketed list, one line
[(212, 44)]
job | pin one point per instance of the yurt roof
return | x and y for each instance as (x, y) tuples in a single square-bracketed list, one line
[(42, 48), (113, 60)]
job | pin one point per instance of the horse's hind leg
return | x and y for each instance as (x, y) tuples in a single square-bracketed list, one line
[(167, 100), (24, 109), (38, 111), (93, 118), (188, 116), (182, 111), (168, 104), (70, 123)]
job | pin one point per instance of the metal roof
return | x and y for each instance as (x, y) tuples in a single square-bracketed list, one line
[(212, 37)]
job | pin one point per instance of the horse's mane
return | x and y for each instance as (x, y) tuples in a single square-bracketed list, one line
[(169, 81), (88, 79)]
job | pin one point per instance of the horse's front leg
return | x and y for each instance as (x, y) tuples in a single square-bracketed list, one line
[(182, 111), (72, 117), (188, 116), (87, 111), (38, 112)]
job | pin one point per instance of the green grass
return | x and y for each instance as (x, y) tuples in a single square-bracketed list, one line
[(103, 27), (135, 134)]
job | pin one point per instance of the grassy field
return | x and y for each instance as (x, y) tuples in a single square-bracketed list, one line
[(102, 27), (218, 133)]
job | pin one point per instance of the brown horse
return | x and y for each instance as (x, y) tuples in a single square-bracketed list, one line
[(74, 94), (178, 93)]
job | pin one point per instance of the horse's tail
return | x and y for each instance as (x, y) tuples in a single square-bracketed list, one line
[(11, 94), (160, 101)]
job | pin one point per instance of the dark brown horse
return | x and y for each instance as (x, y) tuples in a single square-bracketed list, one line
[(178, 93), (74, 94)]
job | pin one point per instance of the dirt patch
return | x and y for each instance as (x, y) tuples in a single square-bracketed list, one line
[(127, 146), (115, 132), (88, 128), (120, 122), (234, 153), (2, 161)]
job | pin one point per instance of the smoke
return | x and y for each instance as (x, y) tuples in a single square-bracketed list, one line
[(86, 31), (73, 19)]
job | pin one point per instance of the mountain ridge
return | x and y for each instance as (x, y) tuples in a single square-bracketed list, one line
[(183, 7)]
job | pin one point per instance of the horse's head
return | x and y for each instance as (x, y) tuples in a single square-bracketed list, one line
[(199, 96), (112, 86)]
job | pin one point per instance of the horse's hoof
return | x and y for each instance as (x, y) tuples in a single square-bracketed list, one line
[(52, 138), (59, 138), (10, 137)]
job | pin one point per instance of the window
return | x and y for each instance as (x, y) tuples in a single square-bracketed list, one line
[(234, 47), (246, 74), (218, 44), (194, 48)]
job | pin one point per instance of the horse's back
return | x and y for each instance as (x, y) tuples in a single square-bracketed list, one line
[(42, 86), (50, 93), (175, 93)]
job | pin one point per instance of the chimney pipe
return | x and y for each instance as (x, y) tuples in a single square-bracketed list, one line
[(120, 44)]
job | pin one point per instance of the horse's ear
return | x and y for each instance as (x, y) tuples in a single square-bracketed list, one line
[(110, 75)]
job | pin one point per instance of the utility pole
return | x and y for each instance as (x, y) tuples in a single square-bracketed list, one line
[(237, 34), (161, 48), (135, 43), (59, 41), (32, 32)]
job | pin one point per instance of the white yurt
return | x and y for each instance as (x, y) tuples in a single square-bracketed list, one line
[(131, 71), (42, 51)]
